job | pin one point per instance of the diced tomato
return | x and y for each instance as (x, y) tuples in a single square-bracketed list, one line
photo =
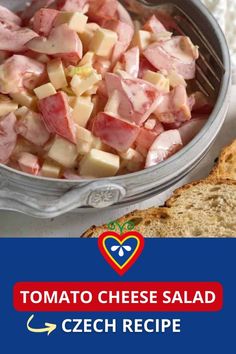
[(62, 42), (32, 128), (190, 129), (4, 55), (14, 38), (125, 34), (102, 10), (8, 16), (29, 163), (165, 145), (56, 116), (145, 138), (118, 134), (8, 137), (43, 21), (33, 7), (20, 72), (154, 25), (174, 106), (131, 61), (144, 66), (176, 54), (138, 98)]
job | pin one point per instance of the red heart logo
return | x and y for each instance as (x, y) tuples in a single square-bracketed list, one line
[(121, 251)]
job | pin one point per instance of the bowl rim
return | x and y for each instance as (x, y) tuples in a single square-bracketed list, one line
[(224, 89)]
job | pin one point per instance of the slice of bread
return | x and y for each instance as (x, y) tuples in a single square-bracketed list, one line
[(225, 168), (202, 209)]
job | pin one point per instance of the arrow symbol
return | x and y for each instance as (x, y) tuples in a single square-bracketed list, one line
[(49, 327)]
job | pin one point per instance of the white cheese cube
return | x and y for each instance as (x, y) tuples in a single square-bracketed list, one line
[(63, 152), (56, 74), (87, 35), (84, 134), (82, 110), (7, 105), (132, 154), (45, 91), (113, 103), (98, 163), (142, 39), (80, 85), (103, 42), (24, 98), (83, 147), (158, 80), (75, 20), (87, 59), (50, 170)]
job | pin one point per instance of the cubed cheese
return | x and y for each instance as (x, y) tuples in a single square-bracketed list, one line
[(75, 20), (161, 36), (158, 80), (87, 35), (83, 147), (50, 169), (132, 160), (24, 98), (82, 111), (87, 59), (131, 154), (84, 134), (80, 85), (45, 91), (63, 152), (142, 39), (113, 103), (56, 74), (103, 42), (7, 105), (98, 163)]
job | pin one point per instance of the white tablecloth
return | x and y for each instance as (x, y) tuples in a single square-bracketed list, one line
[(72, 225)]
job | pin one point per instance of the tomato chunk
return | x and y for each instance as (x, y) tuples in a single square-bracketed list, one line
[(56, 116), (118, 134)]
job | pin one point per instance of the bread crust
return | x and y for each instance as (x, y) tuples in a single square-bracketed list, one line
[(219, 171), (144, 215)]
